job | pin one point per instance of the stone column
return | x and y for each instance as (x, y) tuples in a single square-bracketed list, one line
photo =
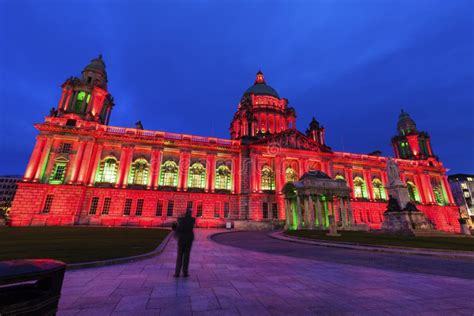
[(368, 180), (76, 166), (306, 212), (350, 214), (85, 166), (428, 189), (154, 169), (419, 188), (95, 165), (43, 161), (122, 173), (319, 212), (278, 171), (448, 190), (311, 211), (211, 171), (298, 207), (35, 158), (343, 212), (350, 181), (235, 173), (183, 171)]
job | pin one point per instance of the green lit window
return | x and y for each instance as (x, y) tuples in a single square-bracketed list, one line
[(107, 171), (440, 194), (81, 96), (139, 172), (379, 191), (169, 174), (223, 178), (59, 171), (268, 179), (290, 175), (413, 192), (197, 175), (360, 190)]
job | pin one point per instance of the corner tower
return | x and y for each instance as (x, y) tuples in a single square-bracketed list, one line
[(261, 112), (410, 143), (86, 98)]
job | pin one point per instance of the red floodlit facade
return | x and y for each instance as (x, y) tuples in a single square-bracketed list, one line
[(83, 171)]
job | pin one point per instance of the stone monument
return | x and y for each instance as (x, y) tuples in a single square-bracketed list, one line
[(402, 217)]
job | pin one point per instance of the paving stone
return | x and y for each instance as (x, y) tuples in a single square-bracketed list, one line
[(231, 281)]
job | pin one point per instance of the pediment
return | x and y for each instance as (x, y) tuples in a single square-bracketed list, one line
[(293, 139)]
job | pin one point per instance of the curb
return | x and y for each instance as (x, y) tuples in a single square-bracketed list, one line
[(103, 263), (440, 253)]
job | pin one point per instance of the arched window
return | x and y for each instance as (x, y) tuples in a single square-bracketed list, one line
[(197, 176), (290, 175), (439, 192), (59, 171), (379, 191), (360, 190), (139, 172), (169, 174), (413, 192), (223, 178), (107, 171), (268, 179), (81, 97)]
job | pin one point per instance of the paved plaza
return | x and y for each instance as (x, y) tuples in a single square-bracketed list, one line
[(249, 280)]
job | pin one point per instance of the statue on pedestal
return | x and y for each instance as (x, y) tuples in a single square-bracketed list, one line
[(402, 216), (396, 188)]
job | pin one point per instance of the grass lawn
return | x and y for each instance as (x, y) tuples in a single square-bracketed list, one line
[(77, 244), (365, 238)]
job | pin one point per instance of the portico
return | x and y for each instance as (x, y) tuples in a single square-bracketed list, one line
[(310, 201)]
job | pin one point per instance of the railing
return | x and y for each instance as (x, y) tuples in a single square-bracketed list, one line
[(114, 130), (165, 135)]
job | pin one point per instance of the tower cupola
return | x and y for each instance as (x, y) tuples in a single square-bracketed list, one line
[(410, 143), (86, 98), (406, 124), (315, 131)]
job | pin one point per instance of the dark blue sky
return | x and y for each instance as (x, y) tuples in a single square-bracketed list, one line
[(183, 66)]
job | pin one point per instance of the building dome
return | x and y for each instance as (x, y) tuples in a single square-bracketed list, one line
[(260, 87), (96, 64), (405, 123)]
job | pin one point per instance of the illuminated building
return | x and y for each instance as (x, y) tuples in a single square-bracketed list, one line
[(83, 171), (462, 186), (7, 190)]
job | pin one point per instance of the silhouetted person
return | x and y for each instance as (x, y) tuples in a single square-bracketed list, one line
[(185, 236)]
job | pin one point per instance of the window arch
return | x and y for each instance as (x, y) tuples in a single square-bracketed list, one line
[(268, 178), (107, 170), (413, 192), (169, 174), (360, 190), (290, 175), (197, 176), (139, 172), (379, 190), (223, 178)]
